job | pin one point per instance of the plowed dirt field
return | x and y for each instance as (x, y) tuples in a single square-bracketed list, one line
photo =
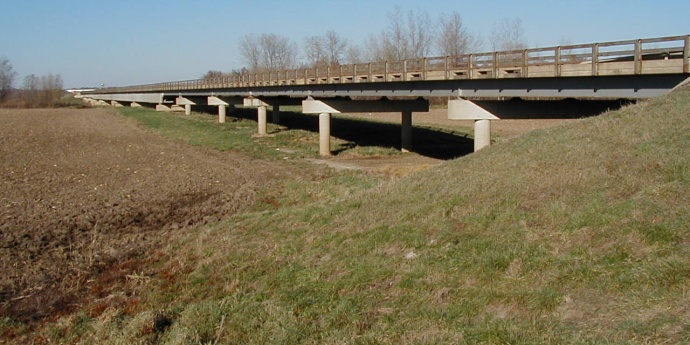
[(85, 190)]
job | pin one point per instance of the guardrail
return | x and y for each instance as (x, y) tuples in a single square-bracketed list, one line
[(642, 56)]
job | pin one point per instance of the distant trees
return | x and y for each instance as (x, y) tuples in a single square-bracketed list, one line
[(407, 36), (508, 34), (268, 52), (327, 49), (453, 38), (7, 76), (43, 91), (410, 34)]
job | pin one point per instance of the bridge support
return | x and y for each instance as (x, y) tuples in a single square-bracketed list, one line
[(222, 107), (338, 105), (135, 105), (482, 134), (187, 103), (325, 134), (221, 113), (462, 109), (162, 107), (276, 113), (262, 120), (116, 104), (406, 132)]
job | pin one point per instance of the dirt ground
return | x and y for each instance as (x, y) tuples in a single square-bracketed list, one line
[(85, 190)]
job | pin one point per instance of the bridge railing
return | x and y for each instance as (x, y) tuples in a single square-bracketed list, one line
[(641, 56)]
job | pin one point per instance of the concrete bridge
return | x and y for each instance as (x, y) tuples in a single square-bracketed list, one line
[(634, 69)]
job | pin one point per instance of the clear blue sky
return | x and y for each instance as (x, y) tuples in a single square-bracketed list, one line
[(126, 42)]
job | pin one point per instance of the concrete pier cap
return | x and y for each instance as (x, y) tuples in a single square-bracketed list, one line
[(462, 109)]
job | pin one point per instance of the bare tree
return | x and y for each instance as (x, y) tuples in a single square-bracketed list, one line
[(268, 52), (453, 38), (212, 74), (314, 50), (335, 47), (354, 54), (509, 34), (277, 52), (325, 50), (251, 51), (7, 76), (407, 36), (420, 34)]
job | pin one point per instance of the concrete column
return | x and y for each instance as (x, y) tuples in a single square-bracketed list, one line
[(482, 134), (221, 113), (276, 113), (325, 134), (262, 120), (188, 109), (406, 132)]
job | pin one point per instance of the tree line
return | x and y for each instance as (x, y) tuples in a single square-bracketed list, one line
[(36, 91), (407, 35)]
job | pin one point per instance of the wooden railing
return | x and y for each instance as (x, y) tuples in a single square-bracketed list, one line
[(642, 56)]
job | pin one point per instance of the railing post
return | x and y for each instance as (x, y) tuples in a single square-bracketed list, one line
[(340, 75), (445, 67), (470, 59), (328, 74), (638, 56), (525, 70), (354, 73), (404, 70), (495, 65), (369, 76), (595, 59), (557, 61), (306, 75), (686, 55), (424, 69), (385, 71)]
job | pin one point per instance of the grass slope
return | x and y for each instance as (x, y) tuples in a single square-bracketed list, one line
[(578, 234)]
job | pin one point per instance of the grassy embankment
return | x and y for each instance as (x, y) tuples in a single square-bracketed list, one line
[(578, 234)]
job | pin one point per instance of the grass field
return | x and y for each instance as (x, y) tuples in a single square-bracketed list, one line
[(573, 235)]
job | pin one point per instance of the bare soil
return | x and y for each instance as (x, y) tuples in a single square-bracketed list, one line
[(85, 194)]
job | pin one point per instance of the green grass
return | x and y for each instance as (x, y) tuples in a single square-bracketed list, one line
[(572, 235)]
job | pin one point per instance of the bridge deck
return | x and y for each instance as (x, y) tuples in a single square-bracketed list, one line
[(666, 55)]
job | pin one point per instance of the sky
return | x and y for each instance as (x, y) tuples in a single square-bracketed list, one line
[(130, 42)]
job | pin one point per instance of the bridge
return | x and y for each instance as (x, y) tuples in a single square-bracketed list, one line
[(632, 69)]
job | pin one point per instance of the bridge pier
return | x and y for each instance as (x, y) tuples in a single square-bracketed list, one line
[(221, 113), (222, 107), (261, 113), (135, 105), (335, 105), (162, 107), (188, 109), (482, 134), (325, 134), (276, 113), (462, 109), (406, 131)]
